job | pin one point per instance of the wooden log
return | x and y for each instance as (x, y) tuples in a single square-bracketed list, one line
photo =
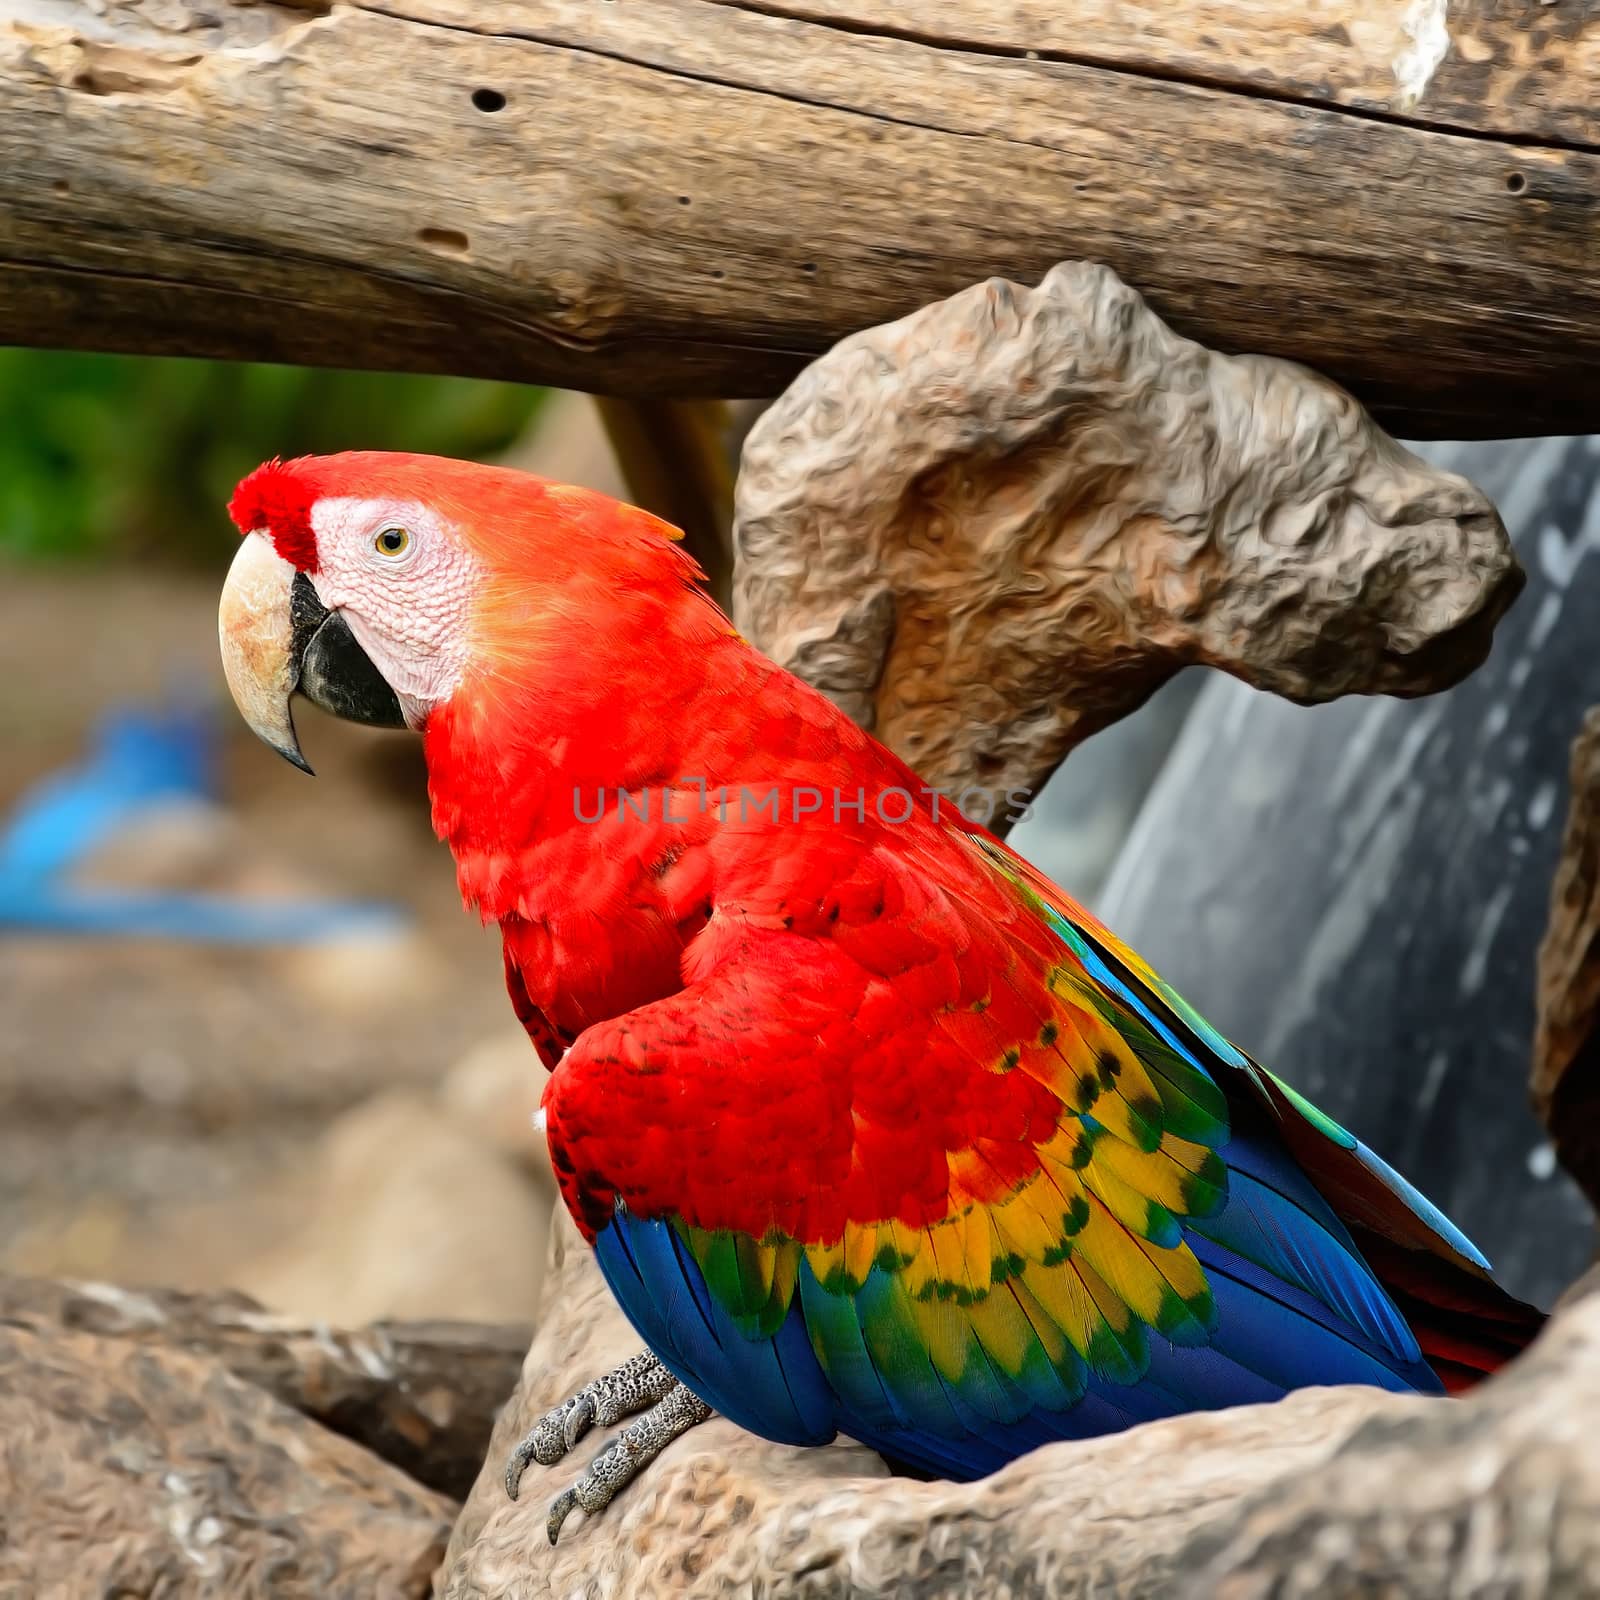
[(422, 1395), (679, 460), (1566, 1044), (692, 197)]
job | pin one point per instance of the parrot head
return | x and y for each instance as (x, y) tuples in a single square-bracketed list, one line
[(377, 584)]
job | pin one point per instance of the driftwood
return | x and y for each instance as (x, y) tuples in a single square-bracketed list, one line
[(422, 1395), (1566, 1054), (996, 526), (137, 1469), (1355, 893), (678, 459), (693, 197), (1328, 1492)]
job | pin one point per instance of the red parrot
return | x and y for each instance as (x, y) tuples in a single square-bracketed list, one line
[(873, 1129)]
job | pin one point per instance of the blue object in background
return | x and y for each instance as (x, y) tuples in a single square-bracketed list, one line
[(137, 756), (139, 760)]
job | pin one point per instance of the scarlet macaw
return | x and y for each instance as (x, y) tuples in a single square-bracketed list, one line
[(872, 1128)]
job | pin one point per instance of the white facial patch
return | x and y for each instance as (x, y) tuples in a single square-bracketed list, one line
[(404, 582)]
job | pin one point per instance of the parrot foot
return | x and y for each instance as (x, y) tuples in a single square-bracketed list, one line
[(637, 1384), (624, 1456)]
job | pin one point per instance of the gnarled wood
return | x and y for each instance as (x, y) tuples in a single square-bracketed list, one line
[(135, 1469), (997, 525), (421, 1395), (1566, 1048), (691, 197)]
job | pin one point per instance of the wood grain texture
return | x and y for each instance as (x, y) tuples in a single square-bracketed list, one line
[(419, 1395), (1479, 66), (686, 197), (138, 1470), (1566, 1049), (996, 526)]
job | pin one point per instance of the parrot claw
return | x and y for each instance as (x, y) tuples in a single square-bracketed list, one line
[(640, 1382), (621, 1459), (560, 1510), (577, 1422)]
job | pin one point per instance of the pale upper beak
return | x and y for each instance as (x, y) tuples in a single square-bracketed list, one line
[(278, 639)]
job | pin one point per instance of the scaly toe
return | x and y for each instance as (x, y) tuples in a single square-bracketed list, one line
[(625, 1455), (549, 1439)]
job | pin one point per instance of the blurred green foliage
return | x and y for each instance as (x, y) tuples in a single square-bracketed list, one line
[(137, 456)]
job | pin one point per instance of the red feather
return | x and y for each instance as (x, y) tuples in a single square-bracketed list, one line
[(276, 499), (776, 1025)]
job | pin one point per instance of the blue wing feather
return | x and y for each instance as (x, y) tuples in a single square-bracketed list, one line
[(773, 1386), (1271, 1336)]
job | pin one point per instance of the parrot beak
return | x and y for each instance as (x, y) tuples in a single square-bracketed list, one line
[(278, 639)]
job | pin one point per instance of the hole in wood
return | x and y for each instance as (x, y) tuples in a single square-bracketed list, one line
[(450, 239), (683, 200), (1516, 183), (808, 266), (61, 186), (488, 100)]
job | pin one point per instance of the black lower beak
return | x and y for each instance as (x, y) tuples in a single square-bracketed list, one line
[(334, 671)]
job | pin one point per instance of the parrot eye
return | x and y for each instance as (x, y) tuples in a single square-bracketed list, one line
[(392, 542)]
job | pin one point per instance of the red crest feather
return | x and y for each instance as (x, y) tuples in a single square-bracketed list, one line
[(277, 499)]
